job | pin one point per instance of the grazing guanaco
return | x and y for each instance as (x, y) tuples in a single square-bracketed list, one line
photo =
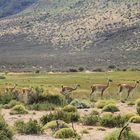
[(129, 88), (66, 90), (100, 87), (10, 88)]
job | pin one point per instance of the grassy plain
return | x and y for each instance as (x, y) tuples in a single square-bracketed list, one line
[(52, 81)]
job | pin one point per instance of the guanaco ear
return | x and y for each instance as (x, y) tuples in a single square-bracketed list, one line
[(62, 86)]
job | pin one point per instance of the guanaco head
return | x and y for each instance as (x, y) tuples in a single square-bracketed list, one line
[(78, 85), (110, 80)]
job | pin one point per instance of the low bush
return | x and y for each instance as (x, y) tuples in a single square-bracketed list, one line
[(90, 119), (42, 106), (138, 102), (130, 103), (5, 132), (70, 108), (110, 108), (60, 115), (127, 116), (135, 119), (11, 104), (110, 120), (55, 125), (2, 77), (66, 133), (102, 103), (126, 135), (38, 96), (94, 112), (81, 103), (18, 109), (138, 110), (5, 98), (31, 127)]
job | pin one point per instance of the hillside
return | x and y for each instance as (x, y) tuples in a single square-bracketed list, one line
[(66, 33), (10, 7)]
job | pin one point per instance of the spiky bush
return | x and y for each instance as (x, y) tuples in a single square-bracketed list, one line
[(102, 103), (138, 110), (31, 127), (5, 132), (60, 115), (55, 125), (38, 96), (127, 116), (90, 120), (66, 133), (11, 104), (110, 108), (126, 135), (94, 112), (69, 108), (42, 106), (5, 98), (81, 103), (135, 119), (18, 109), (112, 120), (138, 102)]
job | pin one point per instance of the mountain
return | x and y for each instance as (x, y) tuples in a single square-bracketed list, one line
[(10, 7), (60, 34)]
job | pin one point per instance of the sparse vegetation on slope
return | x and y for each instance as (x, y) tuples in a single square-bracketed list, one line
[(102, 33)]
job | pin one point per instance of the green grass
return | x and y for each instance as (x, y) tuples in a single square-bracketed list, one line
[(53, 82)]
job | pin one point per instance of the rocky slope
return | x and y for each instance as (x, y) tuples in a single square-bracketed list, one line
[(64, 33)]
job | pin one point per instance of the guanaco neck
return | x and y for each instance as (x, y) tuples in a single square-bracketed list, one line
[(135, 85), (75, 87), (108, 84)]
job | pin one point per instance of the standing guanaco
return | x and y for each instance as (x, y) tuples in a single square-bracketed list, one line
[(10, 88), (129, 88), (100, 87)]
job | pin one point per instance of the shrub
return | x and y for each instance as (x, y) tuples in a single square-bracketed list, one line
[(81, 69), (2, 77), (84, 131), (60, 115), (54, 126), (90, 119), (5, 132), (111, 67), (110, 120), (42, 106), (110, 108), (18, 109), (131, 103), (38, 96), (126, 135), (81, 103), (135, 119), (70, 108), (11, 104), (102, 103), (138, 110), (5, 98), (94, 112), (73, 70), (138, 102), (127, 116), (31, 127), (66, 133), (57, 99)]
